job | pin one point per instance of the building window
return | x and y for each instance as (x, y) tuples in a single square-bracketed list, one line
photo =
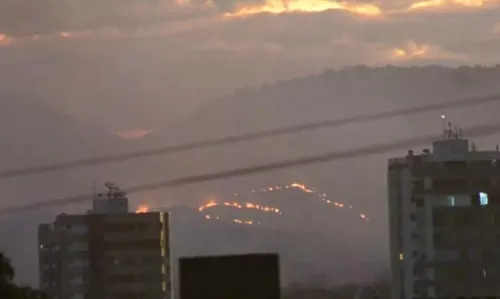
[(418, 184), (438, 219), (437, 239), (148, 261), (401, 257), (483, 198), (413, 217), (455, 165)]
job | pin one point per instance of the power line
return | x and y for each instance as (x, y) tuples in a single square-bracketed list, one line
[(251, 136), (477, 131)]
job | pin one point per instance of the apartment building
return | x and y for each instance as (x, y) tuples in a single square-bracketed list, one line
[(444, 221), (107, 253)]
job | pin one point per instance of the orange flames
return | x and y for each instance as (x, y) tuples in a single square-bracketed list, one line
[(142, 209), (247, 205), (239, 221), (267, 209)]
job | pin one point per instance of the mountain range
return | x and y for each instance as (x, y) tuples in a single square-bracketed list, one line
[(33, 132)]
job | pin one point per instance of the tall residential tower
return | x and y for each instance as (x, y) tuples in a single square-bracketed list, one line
[(444, 217), (107, 253)]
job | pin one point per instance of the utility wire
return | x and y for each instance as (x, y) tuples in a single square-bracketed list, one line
[(477, 131), (468, 102)]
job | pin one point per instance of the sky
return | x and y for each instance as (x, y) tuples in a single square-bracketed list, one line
[(65, 49), (383, 31), (134, 66)]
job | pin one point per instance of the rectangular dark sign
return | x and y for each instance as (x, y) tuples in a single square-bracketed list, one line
[(250, 276)]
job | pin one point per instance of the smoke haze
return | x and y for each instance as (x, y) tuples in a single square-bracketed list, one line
[(87, 78)]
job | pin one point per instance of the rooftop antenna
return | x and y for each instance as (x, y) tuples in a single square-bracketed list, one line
[(443, 125), (94, 189), (473, 147), (449, 131)]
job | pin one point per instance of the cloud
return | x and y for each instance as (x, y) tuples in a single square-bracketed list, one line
[(220, 45), (305, 6), (181, 45), (414, 51), (42, 17)]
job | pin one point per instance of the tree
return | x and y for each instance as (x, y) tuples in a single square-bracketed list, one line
[(8, 289)]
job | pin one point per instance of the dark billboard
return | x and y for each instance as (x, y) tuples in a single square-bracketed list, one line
[(249, 276)]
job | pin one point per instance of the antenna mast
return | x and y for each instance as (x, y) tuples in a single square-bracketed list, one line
[(443, 125), (94, 189)]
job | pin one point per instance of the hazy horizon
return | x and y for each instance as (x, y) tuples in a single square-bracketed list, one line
[(82, 79)]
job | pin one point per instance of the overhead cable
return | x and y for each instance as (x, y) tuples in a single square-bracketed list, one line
[(333, 156), (468, 102)]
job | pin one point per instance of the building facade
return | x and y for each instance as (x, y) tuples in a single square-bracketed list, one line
[(107, 253), (444, 221)]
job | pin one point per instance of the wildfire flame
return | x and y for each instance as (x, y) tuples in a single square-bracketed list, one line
[(239, 221), (248, 205), (142, 209)]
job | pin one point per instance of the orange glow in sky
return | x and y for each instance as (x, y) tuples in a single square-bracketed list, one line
[(142, 209), (305, 6)]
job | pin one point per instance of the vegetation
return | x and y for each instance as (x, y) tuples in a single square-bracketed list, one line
[(9, 289)]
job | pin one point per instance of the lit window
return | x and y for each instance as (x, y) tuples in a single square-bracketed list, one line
[(401, 256), (451, 200), (483, 198)]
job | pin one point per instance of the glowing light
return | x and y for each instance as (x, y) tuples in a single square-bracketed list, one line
[(211, 203), (5, 40), (412, 50), (301, 187), (142, 209), (269, 209), (239, 221), (305, 6), (425, 4), (65, 34), (247, 205)]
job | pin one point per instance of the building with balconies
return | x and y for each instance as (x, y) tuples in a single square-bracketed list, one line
[(107, 253), (444, 221)]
